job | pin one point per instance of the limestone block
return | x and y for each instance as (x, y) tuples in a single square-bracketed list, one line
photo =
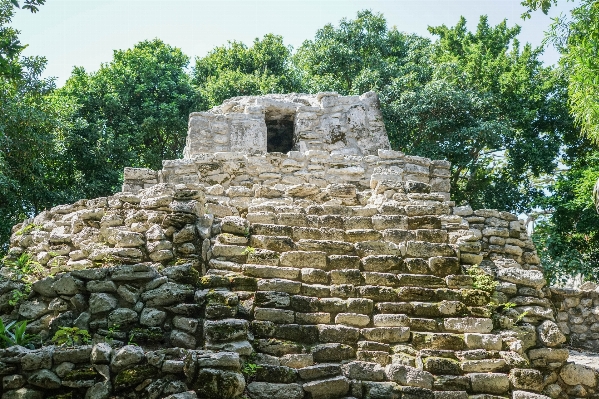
[(122, 317), (530, 278), (550, 334), (101, 353), (529, 395), (577, 374), (389, 335), (421, 249), (493, 383), (332, 387), (126, 356), (528, 379), (266, 390), (314, 276), (221, 384), (483, 341), (468, 325), (352, 319), (391, 320), (33, 309), (333, 352), (297, 361), (281, 285), (274, 315), (409, 376), (38, 359), (44, 379)]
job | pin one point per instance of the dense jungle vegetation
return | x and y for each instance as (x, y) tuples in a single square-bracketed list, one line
[(521, 136)]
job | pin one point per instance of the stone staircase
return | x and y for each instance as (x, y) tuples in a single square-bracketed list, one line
[(323, 273)]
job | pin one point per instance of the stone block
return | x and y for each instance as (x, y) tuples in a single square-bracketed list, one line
[(490, 383)]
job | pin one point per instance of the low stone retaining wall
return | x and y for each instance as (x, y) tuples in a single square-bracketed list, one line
[(578, 315), (102, 372)]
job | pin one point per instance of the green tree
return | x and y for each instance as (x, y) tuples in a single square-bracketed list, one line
[(10, 46), (132, 112), (358, 55), (577, 39), (568, 239), (492, 109), (238, 70), (32, 170), (477, 99), (32, 123), (31, 5)]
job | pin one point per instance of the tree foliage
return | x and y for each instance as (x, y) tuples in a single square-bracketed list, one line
[(568, 240), (132, 112), (32, 123), (356, 56), (238, 70), (577, 39), (476, 99)]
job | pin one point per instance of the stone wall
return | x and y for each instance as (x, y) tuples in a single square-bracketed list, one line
[(578, 315), (319, 274), (103, 371), (332, 291), (350, 125), (318, 168)]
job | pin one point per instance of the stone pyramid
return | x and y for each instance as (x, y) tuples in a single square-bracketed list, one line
[(339, 269)]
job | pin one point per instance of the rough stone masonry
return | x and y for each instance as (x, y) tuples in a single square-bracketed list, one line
[(289, 254)]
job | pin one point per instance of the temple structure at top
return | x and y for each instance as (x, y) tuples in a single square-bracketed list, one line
[(351, 125)]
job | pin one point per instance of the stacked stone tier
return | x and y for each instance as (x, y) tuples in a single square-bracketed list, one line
[(316, 291)]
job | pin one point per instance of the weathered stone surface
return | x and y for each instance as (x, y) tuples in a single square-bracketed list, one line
[(409, 376), (483, 341), (37, 359), (358, 370), (266, 390), (550, 334), (152, 317), (528, 395), (333, 352), (219, 384), (44, 379), (530, 278), (122, 317), (167, 294), (468, 325), (127, 356), (100, 390), (528, 379), (329, 388), (101, 302), (101, 353), (575, 374), (493, 383), (23, 393)]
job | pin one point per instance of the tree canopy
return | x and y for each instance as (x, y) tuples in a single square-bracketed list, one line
[(477, 99), (131, 112), (238, 70)]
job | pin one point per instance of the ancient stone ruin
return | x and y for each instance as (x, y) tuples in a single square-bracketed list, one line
[(290, 254)]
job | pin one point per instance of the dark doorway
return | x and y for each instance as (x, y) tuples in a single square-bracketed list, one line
[(279, 133)]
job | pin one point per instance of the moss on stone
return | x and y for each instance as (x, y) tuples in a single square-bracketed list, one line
[(219, 384), (68, 395), (130, 377), (149, 335), (81, 374)]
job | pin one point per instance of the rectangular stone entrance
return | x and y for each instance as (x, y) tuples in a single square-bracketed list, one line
[(279, 132)]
